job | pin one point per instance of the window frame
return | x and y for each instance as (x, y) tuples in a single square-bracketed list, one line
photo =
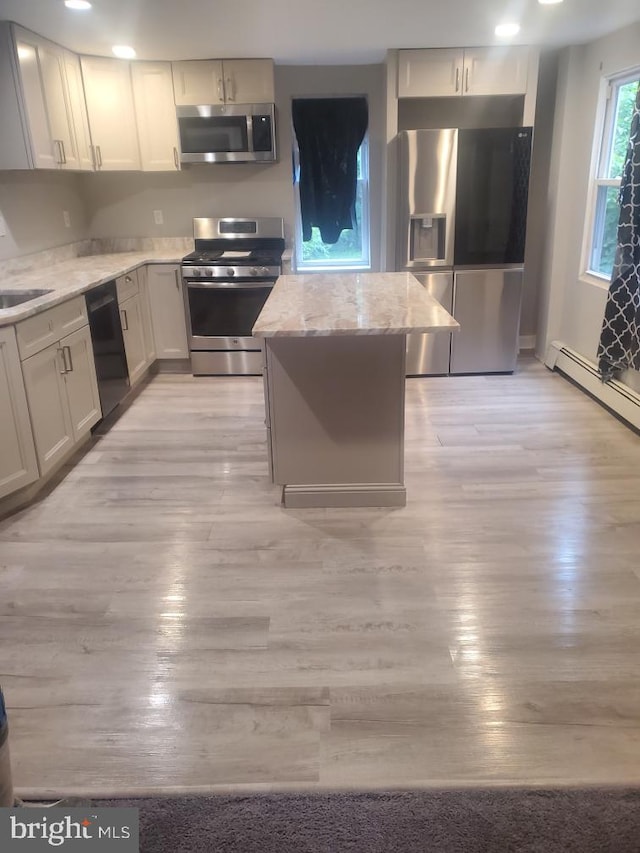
[(603, 145), (363, 182)]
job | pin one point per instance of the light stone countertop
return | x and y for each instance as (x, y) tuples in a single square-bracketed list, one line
[(325, 304), (75, 276)]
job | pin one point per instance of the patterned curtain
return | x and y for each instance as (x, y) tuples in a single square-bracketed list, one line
[(619, 346)]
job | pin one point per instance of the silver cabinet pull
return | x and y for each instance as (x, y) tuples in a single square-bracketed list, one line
[(176, 160), (57, 151), (92, 148), (457, 79), (466, 80), (66, 354), (64, 153), (99, 156), (228, 88), (175, 273), (220, 89), (63, 362), (128, 278), (125, 322)]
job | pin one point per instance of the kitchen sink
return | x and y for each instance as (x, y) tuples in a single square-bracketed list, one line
[(11, 298)]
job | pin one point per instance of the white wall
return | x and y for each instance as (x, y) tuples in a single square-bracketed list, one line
[(32, 204), (572, 306), (122, 204)]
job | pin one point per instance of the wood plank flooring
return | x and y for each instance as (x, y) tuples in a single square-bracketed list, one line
[(165, 624)]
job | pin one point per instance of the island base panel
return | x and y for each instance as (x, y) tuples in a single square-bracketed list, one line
[(336, 419)]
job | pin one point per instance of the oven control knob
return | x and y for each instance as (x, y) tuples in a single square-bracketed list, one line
[(253, 271), (197, 272), (264, 271), (231, 272), (208, 272)]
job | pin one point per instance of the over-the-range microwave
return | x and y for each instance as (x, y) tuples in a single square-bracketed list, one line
[(220, 133)]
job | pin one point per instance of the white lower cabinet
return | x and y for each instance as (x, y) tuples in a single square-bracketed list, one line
[(132, 332), (18, 465), (167, 311), (62, 391)]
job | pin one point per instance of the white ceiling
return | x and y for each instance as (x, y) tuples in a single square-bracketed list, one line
[(310, 31)]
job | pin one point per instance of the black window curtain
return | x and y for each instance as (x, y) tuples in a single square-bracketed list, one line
[(619, 347), (329, 132)]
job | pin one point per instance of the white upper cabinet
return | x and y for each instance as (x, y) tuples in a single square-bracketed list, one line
[(473, 71), (47, 105), (112, 118), (156, 116), (496, 71), (228, 81)]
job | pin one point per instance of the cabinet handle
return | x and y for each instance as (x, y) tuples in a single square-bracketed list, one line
[(128, 278), (176, 159), (57, 153), (60, 354), (228, 88), (64, 153), (125, 322), (99, 155), (466, 78), (457, 79), (175, 273), (220, 89), (66, 354)]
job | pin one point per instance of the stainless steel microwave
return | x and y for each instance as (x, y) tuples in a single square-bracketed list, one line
[(220, 133)]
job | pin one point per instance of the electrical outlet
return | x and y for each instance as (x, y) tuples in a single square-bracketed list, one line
[(158, 218), (3, 226), (67, 219)]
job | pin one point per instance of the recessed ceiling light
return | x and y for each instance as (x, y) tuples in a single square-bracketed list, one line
[(123, 51), (507, 30), (77, 4), (549, 2)]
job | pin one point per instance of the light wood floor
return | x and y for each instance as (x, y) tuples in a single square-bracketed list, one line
[(165, 624)]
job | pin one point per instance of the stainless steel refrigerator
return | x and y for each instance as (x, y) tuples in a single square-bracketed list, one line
[(461, 230)]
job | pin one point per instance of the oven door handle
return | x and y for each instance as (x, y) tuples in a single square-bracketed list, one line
[(227, 285)]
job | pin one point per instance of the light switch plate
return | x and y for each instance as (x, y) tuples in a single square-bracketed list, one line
[(3, 226), (158, 218), (67, 219)]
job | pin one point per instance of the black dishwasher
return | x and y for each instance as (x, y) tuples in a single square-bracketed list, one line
[(108, 345)]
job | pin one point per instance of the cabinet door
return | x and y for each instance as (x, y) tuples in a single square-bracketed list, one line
[(198, 81), (156, 116), (81, 382), (42, 150), (54, 85), (429, 73), (248, 81), (78, 109), (134, 347), (48, 405), (18, 465), (167, 311), (496, 71), (145, 310), (112, 120)]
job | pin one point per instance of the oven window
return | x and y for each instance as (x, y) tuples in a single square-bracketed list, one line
[(210, 135), (225, 312)]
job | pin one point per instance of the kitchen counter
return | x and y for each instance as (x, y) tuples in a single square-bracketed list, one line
[(73, 277), (335, 349), (329, 304)]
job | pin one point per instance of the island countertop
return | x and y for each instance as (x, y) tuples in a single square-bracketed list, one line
[(326, 304)]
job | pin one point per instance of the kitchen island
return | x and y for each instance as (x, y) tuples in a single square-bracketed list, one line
[(334, 375)]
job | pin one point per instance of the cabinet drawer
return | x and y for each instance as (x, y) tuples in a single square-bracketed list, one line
[(44, 329), (127, 286)]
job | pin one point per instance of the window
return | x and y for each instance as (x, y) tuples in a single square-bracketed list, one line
[(621, 96), (352, 249)]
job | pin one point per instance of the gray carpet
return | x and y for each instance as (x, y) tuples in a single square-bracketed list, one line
[(450, 821)]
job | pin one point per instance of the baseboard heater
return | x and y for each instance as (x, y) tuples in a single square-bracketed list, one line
[(615, 395)]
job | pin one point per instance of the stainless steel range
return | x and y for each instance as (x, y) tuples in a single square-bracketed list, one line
[(227, 280)]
